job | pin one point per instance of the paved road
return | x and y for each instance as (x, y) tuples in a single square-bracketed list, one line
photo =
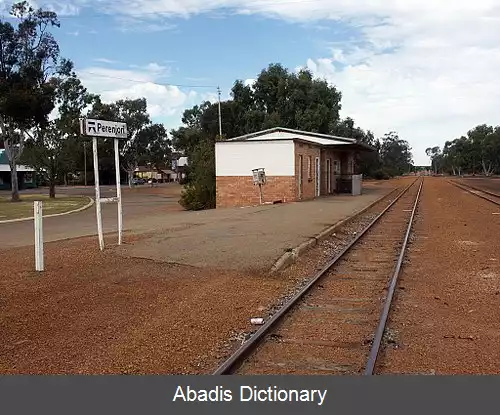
[(251, 237), (143, 207)]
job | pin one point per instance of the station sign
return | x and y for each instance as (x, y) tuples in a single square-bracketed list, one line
[(102, 128)]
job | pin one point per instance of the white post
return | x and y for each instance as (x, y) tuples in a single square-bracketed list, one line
[(118, 192), (97, 194), (37, 218)]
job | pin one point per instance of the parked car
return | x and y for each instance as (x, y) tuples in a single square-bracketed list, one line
[(136, 181)]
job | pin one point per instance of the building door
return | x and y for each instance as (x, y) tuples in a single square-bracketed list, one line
[(301, 175), (329, 175), (318, 177)]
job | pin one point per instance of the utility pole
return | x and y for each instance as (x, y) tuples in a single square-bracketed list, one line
[(220, 122)]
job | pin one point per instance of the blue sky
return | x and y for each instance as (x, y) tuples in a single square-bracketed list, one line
[(406, 66)]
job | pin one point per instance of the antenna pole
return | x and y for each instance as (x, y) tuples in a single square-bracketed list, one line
[(220, 122)]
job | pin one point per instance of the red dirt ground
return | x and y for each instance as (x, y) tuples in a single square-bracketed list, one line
[(447, 311), (93, 312)]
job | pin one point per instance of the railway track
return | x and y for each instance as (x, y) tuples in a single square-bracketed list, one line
[(336, 323), (483, 194)]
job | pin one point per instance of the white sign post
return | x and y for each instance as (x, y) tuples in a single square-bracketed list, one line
[(37, 218), (105, 129)]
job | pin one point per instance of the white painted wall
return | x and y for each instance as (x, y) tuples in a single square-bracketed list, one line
[(239, 158)]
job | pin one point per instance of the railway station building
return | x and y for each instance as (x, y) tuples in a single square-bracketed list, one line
[(297, 165)]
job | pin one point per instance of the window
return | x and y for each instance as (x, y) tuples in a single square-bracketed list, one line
[(309, 167), (336, 167)]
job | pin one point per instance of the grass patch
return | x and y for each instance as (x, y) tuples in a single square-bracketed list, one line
[(24, 209)]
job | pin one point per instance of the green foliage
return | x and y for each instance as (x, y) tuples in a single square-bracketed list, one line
[(54, 148), (146, 144), (381, 175), (199, 193), (279, 98), (478, 151), (29, 61), (395, 154)]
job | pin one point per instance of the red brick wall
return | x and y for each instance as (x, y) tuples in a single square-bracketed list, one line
[(308, 183), (237, 191), (331, 155)]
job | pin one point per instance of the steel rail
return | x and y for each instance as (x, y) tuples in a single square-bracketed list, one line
[(238, 356), (379, 334), (472, 190)]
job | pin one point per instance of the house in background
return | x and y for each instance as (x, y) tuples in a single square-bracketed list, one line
[(179, 166), (26, 176), (298, 165), (160, 175)]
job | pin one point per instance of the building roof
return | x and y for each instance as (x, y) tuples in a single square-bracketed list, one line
[(4, 163), (182, 161), (279, 133)]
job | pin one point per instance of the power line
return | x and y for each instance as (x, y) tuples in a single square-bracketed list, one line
[(145, 82)]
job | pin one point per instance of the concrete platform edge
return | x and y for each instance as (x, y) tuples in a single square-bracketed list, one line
[(290, 257)]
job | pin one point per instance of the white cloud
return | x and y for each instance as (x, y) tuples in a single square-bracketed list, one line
[(249, 82), (422, 67), (114, 84), (105, 60), (425, 68)]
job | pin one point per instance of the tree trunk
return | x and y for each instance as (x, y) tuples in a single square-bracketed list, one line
[(130, 177), (14, 183), (486, 170), (52, 189), (453, 170)]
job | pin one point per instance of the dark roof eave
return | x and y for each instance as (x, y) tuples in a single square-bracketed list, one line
[(354, 147)]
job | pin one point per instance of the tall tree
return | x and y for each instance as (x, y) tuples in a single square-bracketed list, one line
[(483, 146), (435, 154), (395, 154), (54, 149), (155, 146), (29, 57)]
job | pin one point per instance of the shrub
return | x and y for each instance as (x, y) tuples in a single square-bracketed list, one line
[(199, 192), (381, 175)]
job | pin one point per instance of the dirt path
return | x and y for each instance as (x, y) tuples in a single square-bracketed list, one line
[(446, 317)]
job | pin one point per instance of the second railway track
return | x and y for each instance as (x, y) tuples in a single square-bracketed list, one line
[(476, 191), (335, 324)]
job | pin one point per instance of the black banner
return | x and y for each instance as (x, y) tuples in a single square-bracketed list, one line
[(248, 395)]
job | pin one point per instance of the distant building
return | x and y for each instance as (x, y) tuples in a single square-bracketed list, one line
[(26, 176), (179, 166), (161, 175)]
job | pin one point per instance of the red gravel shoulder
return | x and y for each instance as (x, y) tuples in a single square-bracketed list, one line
[(447, 311), (489, 184)]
